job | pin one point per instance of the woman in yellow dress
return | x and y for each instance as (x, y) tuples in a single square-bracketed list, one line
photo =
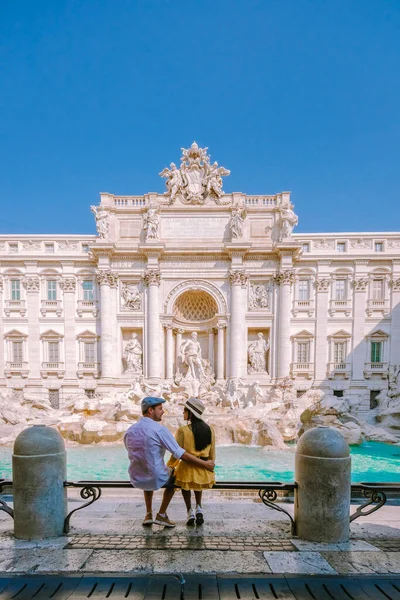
[(197, 438)]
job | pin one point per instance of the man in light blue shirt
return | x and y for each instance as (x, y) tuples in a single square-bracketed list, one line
[(146, 442)]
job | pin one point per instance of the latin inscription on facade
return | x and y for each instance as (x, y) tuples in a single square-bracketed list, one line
[(198, 227)]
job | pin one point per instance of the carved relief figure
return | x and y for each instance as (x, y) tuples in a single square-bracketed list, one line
[(102, 221), (258, 297), (237, 221), (133, 355), (151, 221), (288, 220), (257, 355), (130, 297)]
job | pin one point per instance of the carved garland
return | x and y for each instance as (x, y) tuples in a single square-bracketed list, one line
[(360, 285), (107, 277)]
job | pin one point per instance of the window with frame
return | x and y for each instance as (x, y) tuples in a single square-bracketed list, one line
[(51, 289), (17, 351), (13, 248), (378, 289), (303, 289), (303, 352), (376, 352), (341, 246), (54, 352), (378, 246), (88, 292), (88, 351), (49, 248), (85, 247), (15, 289), (340, 289), (305, 247), (340, 352)]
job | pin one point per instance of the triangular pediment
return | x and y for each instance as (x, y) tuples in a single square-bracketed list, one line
[(50, 333), (304, 333), (340, 334), (14, 333), (378, 334), (87, 335)]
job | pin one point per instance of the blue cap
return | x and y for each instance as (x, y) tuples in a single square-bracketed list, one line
[(151, 401)]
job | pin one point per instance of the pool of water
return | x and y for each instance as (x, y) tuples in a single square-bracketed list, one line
[(372, 461)]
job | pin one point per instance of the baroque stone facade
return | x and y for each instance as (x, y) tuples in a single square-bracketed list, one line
[(85, 312)]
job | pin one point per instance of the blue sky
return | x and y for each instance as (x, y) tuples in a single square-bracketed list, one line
[(100, 95)]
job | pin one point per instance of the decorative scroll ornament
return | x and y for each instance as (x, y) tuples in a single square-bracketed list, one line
[(285, 277), (31, 284), (238, 278), (360, 244), (67, 246), (68, 284), (394, 244), (107, 277), (152, 277), (31, 246), (196, 179), (322, 284), (130, 296), (395, 284), (360, 285), (222, 325)]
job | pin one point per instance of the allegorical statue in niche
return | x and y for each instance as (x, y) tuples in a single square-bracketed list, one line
[(191, 356), (288, 220), (130, 296), (237, 221), (258, 297), (133, 355), (102, 221), (151, 221), (258, 355)]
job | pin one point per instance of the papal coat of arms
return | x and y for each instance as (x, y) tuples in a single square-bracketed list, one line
[(196, 179)]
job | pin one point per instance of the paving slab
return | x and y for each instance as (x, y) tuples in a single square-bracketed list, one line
[(311, 563), (363, 562)]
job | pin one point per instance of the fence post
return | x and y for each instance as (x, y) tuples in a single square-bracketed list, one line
[(323, 477), (39, 472)]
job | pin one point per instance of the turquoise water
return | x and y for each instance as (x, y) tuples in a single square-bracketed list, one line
[(373, 461)]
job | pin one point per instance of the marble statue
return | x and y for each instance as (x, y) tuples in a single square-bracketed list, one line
[(133, 355), (233, 394), (258, 297), (191, 356), (257, 355), (237, 221), (393, 383), (195, 180), (254, 395), (130, 297), (151, 221), (102, 221), (288, 220), (138, 389)]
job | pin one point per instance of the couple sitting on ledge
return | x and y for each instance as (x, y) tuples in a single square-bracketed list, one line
[(191, 466)]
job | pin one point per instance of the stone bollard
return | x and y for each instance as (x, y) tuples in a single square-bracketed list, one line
[(39, 472), (323, 476)]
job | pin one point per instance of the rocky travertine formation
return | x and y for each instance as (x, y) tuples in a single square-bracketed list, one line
[(238, 414)]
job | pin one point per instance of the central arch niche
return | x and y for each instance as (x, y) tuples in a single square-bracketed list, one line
[(194, 306)]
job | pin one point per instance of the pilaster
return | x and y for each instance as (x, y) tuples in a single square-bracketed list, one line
[(68, 286), (107, 280), (31, 284), (238, 347), (395, 314), (152, 280), (322, 287), (284, 280), (360, 285)]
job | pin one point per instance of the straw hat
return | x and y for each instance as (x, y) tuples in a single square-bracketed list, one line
[(196, 407)]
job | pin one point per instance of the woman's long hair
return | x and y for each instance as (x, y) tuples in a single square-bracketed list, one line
[(201, 432)]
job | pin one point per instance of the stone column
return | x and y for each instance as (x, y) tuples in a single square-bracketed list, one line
[(211, 347), (284, 280), (32, 287), (68, 286), (360, 285), (322, 286), (238, 281), (152, 279), (107, 280), (170, 351), (220, 351), (178, 342), (395, 328)]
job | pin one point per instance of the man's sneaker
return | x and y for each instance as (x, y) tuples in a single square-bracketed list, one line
[(190, 517), (199, 516), (164, 521), (148, 520)]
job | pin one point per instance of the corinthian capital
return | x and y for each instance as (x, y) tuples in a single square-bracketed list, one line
[(31, 284), (360, 284), (68, 284), (152, 277), (285, 277), (1, 284), (107, 277), (322, 284), (395, 284), (237, 277)]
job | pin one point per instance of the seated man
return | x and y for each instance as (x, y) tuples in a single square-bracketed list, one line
[(146, 442)]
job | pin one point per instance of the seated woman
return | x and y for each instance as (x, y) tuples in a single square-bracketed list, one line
[(197, 438)]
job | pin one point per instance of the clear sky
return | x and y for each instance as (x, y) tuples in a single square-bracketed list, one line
[(299, 95)]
